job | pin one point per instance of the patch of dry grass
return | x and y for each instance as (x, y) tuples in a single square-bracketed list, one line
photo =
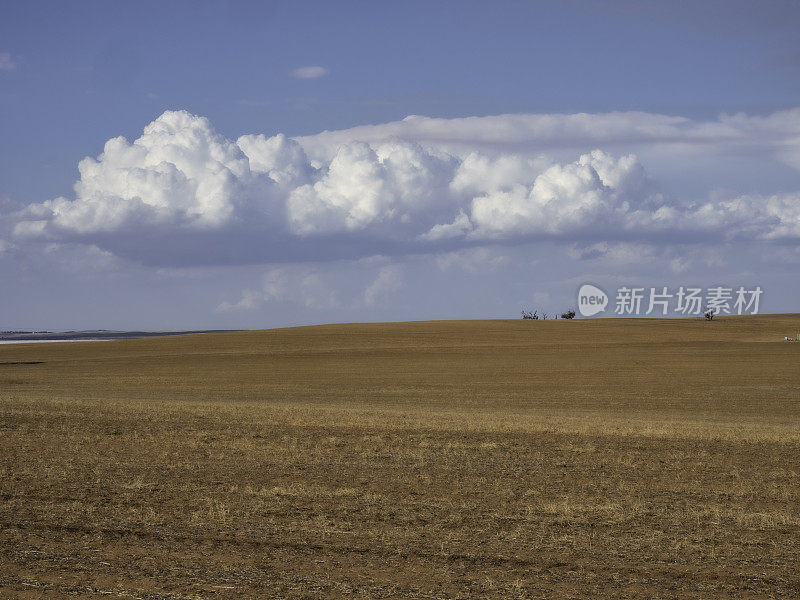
[(507, 459)]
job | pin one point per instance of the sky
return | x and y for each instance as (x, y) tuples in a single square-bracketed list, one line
[(195, 165)]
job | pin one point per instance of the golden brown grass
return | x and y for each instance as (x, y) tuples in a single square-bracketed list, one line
[(483, 459)]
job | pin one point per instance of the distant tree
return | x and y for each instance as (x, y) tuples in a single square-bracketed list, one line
[(709, 314), (526, 314), (570, 314)]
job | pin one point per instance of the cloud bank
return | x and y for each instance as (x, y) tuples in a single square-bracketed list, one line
[(182, 194)]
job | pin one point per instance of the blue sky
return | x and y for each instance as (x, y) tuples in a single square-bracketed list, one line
[(89, 71), (75, 75)]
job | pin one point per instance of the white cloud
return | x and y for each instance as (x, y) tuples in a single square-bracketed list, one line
[(184, 194), (564, 198), (542, 130), (275, 286), (179, 173), (397, 183), (616, 253), (318, 287), (479, 173), (279, 157), (460, 226), (388, 280), (6, 62), (777, 133), (310, 72)]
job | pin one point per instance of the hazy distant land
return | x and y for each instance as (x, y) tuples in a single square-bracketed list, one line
[(90, 335)]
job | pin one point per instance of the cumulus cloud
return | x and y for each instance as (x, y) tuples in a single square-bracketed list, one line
[(6, 62), (368, 188), (179, 173), (478, 173), (280, 158), (310, 72), (596, 191), (184, 194)]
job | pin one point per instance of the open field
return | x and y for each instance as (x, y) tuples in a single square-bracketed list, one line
[(476, 459)]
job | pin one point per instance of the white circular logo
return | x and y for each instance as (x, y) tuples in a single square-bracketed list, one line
[(591, 300)]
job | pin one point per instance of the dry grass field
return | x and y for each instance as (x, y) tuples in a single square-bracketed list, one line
[(650, 459)]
